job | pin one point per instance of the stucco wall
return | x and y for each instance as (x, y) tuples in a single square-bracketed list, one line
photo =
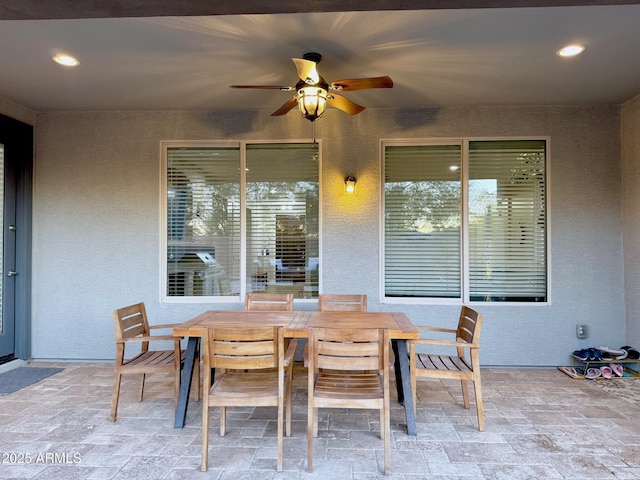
[(631, 213), (97, 239), (17, 111)]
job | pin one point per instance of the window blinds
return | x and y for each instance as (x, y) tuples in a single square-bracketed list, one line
[(205, 208), (507, 220), (203, 221), (282, 218), (422, 221)]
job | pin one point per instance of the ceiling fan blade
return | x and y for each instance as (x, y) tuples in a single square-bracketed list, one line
[(286, 107), (362, 83), (307, 70), (265, 87), (344, 104)]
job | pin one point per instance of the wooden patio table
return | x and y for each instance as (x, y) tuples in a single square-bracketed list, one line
[(296, 325)]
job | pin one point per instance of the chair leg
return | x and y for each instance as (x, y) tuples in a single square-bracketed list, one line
[(280, 434), (196, 389), (315, 422), (412, 375), (115, 395), (288, 407), (142, 388), (310, 435), (204, 456), (223, 421), (387, 440), (479, 404), (176, 385), (465, 393)]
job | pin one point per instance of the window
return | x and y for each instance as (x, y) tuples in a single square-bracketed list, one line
[(240, 218), (466, 220)]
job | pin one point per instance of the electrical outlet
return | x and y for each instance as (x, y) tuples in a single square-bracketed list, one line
[(581, 331)]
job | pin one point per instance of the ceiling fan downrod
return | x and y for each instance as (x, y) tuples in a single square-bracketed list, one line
[(312, 56)]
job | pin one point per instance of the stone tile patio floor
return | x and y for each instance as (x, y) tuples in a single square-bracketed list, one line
[(540, 424)]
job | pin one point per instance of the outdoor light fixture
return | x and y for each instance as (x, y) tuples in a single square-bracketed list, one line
[(66, 60), (312, 100), (570, 50), (350, 184)]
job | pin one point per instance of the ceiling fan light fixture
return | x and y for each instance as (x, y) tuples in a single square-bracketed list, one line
[(312, 101), (312, 91)]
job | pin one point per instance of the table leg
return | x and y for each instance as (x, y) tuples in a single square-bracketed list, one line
[(403, 383), (185, 382)]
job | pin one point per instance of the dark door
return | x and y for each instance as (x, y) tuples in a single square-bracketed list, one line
[(16, 156)]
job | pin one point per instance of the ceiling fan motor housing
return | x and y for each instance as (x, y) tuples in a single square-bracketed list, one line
[(312, 56)]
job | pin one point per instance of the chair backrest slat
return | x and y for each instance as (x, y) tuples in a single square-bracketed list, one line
[(269, 302), (346, 349), (248, 348), (469, 325), (329, 362), (342, 303), (131, 321)]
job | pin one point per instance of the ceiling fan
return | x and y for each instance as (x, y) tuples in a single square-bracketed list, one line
[(313, 93)]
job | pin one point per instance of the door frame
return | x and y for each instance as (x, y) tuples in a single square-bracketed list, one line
[(19, 136)]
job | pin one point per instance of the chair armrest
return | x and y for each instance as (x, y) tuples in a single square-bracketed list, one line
[(291, 351), (150, 339), (166, 325), (445, 343), (435, 329)]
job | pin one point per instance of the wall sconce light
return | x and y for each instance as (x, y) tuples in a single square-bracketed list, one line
[(350, 184)]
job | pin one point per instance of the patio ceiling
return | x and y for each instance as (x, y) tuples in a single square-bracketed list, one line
[(145, 55)]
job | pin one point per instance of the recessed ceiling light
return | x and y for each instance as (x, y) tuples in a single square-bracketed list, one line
[(571, 50), (66, 60)]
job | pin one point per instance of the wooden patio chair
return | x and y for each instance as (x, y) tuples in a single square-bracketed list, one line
[(348, 368), (252, 371), (342, 303), (272, 302), (132, 326), (337, 302), (463, 366)]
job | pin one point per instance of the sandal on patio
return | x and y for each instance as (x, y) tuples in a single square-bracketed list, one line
[(593, 373), (617, 369), (606, 371), (572, 372)]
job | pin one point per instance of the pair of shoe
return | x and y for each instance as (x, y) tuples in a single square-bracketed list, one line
[(631, 352), (590, 355), (572, 372), (606, 371), (605, 353), (593, 373), (617, 369), (611, 354)]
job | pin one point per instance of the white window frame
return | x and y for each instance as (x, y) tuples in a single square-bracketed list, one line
[(242, 146), (464, 240)]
